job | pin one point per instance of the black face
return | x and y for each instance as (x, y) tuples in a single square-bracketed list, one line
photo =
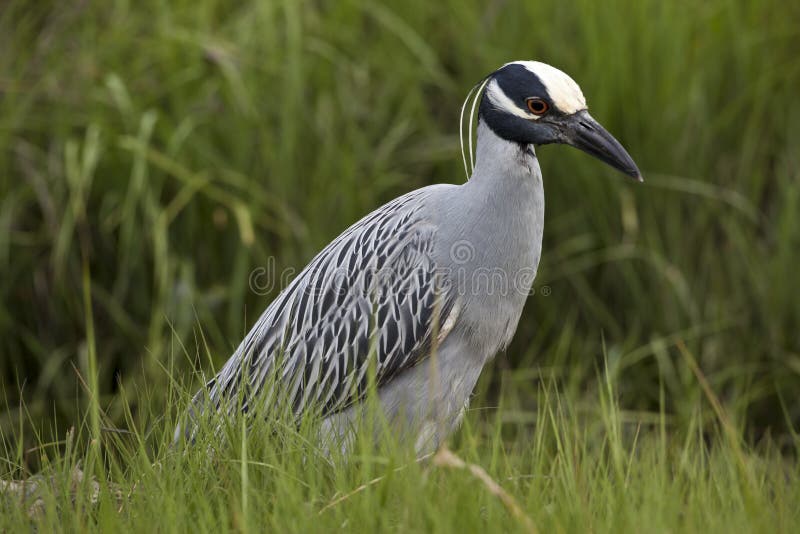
[(519, 84), (537, 120)]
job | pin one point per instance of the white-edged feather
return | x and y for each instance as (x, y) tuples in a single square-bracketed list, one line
[(461, 130), (475, 94), (471, 120)]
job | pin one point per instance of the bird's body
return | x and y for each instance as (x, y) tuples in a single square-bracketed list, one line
[(418, 295), (486, 237)]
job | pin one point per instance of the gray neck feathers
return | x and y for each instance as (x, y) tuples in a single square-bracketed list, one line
[(501, 216), (504, 202), (503, 165), (501, 159)]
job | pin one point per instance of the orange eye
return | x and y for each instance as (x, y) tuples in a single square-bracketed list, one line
[(536, 105)]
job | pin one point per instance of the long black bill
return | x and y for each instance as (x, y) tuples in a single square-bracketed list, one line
[(586, 133)]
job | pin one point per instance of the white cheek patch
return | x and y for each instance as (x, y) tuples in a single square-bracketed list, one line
[(500, 100), (563, 91)]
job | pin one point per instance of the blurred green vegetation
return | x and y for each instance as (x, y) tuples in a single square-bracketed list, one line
[(155, 153)]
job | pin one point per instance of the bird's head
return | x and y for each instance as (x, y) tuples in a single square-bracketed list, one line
[(532, 103)]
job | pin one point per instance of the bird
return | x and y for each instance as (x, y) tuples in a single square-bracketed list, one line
[(419, 295)]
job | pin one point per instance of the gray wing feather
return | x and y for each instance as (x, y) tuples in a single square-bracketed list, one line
[(375, 290)]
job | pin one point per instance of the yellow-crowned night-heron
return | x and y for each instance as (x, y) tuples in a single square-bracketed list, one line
[(422, 292)]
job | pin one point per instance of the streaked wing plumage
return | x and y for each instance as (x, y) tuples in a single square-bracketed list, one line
[(374, 290)]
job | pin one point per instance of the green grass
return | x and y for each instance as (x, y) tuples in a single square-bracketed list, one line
[(569, 465), (153, 155)]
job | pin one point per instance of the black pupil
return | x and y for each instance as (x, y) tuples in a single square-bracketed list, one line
[(537, 106)]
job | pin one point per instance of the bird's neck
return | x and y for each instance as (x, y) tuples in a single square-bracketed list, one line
[(506, 199), (502, 218), (504, 167)]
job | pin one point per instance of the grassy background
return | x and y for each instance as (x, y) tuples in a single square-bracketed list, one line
[(154, 154)]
